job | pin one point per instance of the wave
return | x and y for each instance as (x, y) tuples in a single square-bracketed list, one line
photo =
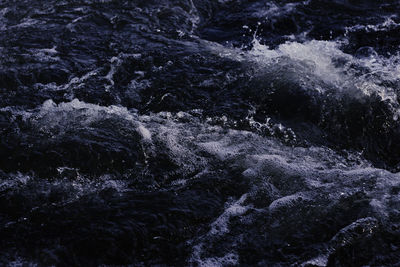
[(199, 132)]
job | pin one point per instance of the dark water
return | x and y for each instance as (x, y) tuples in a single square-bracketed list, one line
[(199, 133)]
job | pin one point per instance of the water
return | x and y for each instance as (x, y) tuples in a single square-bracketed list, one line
[(199, 133)]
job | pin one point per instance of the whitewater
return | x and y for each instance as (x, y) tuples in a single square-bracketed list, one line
[(199, 133)]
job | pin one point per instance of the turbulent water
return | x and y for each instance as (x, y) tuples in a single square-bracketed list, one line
[(199, 133)]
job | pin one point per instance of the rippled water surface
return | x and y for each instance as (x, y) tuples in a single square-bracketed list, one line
[(199, 133)]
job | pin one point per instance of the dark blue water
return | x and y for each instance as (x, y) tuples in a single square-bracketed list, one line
[(199, 133)]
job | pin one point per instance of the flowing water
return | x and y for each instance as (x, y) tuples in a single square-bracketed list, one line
[(199, 133)]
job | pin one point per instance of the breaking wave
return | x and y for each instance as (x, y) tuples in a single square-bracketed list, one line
[(199, 132)]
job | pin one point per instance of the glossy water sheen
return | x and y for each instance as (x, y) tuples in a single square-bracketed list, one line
[(200, 133)]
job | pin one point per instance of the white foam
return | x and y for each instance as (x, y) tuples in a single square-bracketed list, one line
[(288, 201), (387, 24), (144, 132), (320, 261), (227, 260), (220, 226), (14, 181), (287, 176), (56, 114), (314, 65)]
